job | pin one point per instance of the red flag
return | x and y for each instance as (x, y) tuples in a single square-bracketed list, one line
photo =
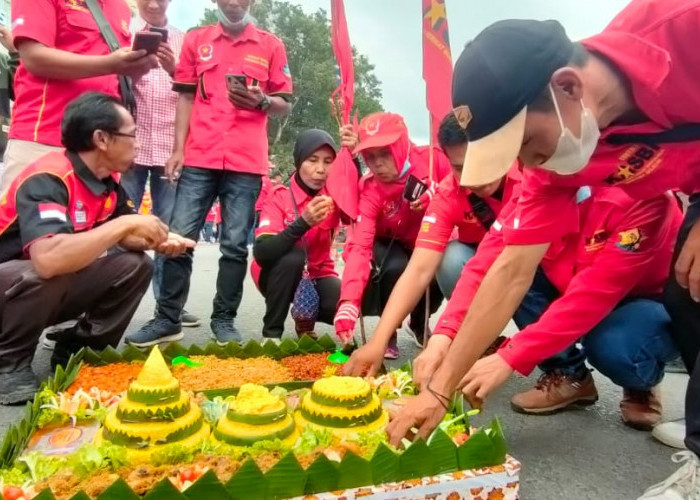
[(343, 178), (437, 62)]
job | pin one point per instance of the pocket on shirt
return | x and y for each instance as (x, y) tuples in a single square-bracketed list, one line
[(206, 74), (256, 75), (81, 19)]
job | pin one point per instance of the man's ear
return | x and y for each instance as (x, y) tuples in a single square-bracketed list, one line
[(568, 82), (101, 139)]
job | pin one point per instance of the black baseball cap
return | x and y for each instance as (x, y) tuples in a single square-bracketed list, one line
[(500, 72)]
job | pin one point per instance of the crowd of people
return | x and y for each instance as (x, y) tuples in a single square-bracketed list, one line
[(549, 199)]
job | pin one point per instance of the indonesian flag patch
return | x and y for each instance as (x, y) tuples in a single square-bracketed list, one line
[(48, 211)]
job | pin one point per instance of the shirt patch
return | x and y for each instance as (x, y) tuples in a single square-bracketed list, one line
[(597, 241), (264, 222), (636, 163), (79, 216), (286, 72), (206, 51), (49, 211), (18, 22), (497, 226), (260, 61), (431, 219), (630, 240)]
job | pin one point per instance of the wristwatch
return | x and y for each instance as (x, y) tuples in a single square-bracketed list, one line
[(264, 103)]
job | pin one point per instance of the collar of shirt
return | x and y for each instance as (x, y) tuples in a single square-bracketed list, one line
[(299, 195), (139, 24), (97, 186), (249, 33), (645, 65)]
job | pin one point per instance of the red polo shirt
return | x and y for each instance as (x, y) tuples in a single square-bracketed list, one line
[(653, 44), (221, 136), (68, 26), (278, 212), (451, 209), (623, 249)]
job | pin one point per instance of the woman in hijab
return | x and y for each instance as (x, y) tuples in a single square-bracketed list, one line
[(391, 209), (293, 241)]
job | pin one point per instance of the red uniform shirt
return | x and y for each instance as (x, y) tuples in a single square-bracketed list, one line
[(451, 209), (69, 26), (624, 249), (211, 215), (221, 136), (57, 194), (384, 213), (278, 212), (653, 44)]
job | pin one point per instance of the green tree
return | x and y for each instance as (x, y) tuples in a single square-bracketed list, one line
[(311, 61)]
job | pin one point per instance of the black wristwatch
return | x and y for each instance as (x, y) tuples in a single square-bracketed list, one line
[(264, 103)]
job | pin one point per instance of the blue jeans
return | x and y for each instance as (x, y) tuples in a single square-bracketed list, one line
[(629, 346), (456, 255), (163, 197), (208, 232), (196, 191)]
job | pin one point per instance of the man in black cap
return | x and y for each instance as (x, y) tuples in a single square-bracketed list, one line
[(618, 109)]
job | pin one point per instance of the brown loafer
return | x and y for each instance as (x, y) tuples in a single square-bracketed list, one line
[(640, 410)]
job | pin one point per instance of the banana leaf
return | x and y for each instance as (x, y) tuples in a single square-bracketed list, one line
[(444, 452), (290, 386), (131, 354), (483, 449), (354, 472), (272, 350), (288, 346), (248, 483), (207, 487), (322, 475), (213, 349), (195, 350), (45, 495), (233, 350), (81, 495), (416, 461), (110, 355), (385, 465), (252, 349), (164, 490), (285, 479), (327, 343), (119, 490), (174, 350)]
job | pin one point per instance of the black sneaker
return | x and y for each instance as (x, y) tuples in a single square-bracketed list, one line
[(155, 331), (224, 332), (18, 387), (189, 320), (417, 332)]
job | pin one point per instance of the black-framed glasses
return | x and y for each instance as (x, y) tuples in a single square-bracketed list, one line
[(123, 134)]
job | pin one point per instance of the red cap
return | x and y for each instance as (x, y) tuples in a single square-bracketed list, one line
[(380, 130)]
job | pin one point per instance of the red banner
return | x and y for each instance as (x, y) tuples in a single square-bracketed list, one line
[(343, 177), (437, 62)]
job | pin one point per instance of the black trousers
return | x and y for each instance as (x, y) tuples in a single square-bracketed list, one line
[(685, 328), (388, 264), (278, 283), (107, 292)]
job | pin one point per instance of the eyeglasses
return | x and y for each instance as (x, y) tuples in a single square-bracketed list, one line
[(122, 134)]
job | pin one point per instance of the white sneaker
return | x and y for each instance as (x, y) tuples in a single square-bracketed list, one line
[(684, 484), (671, 433)]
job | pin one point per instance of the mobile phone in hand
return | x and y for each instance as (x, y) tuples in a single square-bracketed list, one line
[(148, 41), (162, 31), (414, 188), (233, 81)]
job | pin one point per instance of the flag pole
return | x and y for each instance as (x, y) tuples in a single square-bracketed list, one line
[(426, 324)]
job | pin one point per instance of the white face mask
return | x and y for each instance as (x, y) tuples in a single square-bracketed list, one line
[(234, 25), (573, 153)]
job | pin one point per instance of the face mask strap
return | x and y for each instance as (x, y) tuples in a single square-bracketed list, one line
[(556, 108)]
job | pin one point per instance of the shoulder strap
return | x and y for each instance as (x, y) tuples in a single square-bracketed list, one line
[(683, 133), (125, 85), (482, 210)]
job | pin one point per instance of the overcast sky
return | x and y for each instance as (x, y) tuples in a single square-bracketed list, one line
[(389, 33)]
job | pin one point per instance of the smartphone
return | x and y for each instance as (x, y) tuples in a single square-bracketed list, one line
[(236, 81), (162, 31), (414, 188), (148, 41)]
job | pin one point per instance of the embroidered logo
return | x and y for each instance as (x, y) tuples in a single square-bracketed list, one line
[(286, 72), (597, 241), (630, 240), (635, 163), (206, 52)]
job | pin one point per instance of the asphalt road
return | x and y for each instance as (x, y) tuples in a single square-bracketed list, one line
[(582, 454)]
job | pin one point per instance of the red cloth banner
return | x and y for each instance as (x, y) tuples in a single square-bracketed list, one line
[(437, 62)]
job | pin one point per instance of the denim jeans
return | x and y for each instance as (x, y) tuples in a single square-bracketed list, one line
[(629, 346), (208, 232), (456, 255), (196, 191), (163, 197)]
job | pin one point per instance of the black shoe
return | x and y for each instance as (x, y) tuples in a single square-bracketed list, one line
[(416, 331), (18, 387), (189, 320), (155, 331), (676, 366), (224, 332)]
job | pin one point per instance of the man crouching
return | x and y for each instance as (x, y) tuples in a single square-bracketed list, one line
[(71, 244)]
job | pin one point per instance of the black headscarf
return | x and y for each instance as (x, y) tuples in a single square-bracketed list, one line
[(308, 142)]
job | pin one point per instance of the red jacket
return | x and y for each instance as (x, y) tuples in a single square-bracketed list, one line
[(278, 212), (264, 192), (623, 249), (384, 213), (451, 209)]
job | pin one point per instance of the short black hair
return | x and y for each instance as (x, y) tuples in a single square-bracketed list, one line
[(544, 103), (83, 116), (451, 132)]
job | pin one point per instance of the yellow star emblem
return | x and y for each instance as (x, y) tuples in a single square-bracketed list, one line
[(436, 13)]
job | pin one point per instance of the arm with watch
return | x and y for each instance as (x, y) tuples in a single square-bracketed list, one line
[(253, 98)]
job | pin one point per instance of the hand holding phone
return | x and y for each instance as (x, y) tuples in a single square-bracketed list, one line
[(148, 41), (414, 188), (236, 81), (162, 31)]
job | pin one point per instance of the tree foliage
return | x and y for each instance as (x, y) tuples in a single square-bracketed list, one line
[(311, 61)]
